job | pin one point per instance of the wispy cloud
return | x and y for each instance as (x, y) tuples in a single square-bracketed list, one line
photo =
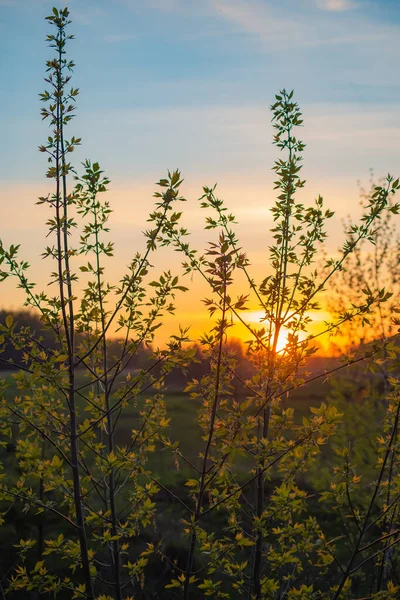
[(259, 20), (277, 29), (234, 141), (336, 5)]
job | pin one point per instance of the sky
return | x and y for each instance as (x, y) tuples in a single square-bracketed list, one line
[(185, 84)]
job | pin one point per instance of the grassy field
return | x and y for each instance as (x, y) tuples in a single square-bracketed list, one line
[(183, 426)]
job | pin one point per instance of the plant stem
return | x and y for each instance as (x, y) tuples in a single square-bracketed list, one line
[(115, 550), (69, 324), (193, 535)]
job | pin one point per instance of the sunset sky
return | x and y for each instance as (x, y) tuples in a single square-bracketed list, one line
[(188, 84)]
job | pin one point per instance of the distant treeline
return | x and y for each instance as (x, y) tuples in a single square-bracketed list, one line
[(10, 355), (176, 380)]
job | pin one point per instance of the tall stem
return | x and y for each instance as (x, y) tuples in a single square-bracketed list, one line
[(115, 549), (40, 525), (68, 321), (265, 417), (203, 483), (263, 431)]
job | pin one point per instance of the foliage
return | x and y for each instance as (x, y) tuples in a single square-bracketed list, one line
[(248, 523), (372, 271), (274, 445), (64, 430)]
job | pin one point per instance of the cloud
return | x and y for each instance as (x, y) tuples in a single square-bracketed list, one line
[(277, 29), (231, 144), (336, 5), (259, 20)]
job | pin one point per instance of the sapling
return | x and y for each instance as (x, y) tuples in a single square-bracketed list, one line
[(267, 435), (74, 393)]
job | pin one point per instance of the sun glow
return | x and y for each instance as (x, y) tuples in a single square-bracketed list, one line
[(258, 317)]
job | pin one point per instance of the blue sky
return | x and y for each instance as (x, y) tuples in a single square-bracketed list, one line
[(188, 84), (165, 80)]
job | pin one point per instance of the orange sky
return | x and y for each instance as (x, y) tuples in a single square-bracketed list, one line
[(253, 230), (151, 99)]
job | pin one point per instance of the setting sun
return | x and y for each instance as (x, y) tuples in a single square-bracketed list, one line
[(258, 317)]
